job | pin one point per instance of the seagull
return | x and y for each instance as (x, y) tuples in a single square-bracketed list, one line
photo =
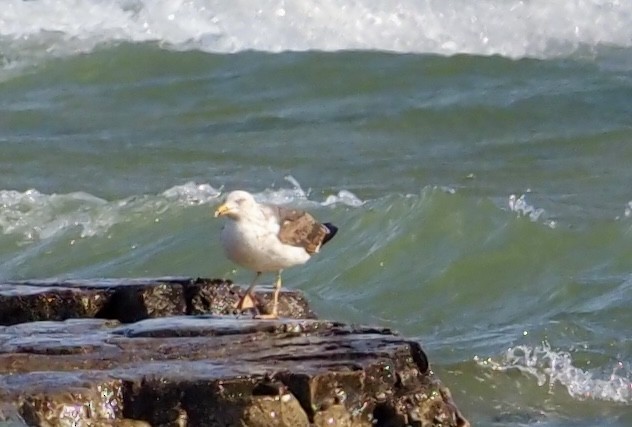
[(268, 238)]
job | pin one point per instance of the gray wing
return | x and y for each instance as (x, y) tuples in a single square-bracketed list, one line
[(299, 228)]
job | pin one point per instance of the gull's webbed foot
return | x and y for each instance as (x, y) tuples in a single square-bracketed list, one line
[(275, 310), (271, 316)]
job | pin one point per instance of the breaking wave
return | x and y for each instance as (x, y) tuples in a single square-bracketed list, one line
[(512, 28), (37, 216), (550, 368), (522, 208)]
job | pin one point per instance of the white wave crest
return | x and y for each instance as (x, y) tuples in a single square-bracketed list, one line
[(345, 197), (282, 196), (297, 196), (551, 367), (513, 28), (520, 206), (192, 193), (37, 216)]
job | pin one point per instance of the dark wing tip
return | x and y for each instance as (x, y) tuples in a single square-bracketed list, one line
[(331, 232)]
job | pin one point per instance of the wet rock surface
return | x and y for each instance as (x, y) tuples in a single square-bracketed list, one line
[(169, 352), (130, 300)]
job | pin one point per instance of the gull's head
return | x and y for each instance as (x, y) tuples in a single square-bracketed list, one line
[(237, 202)]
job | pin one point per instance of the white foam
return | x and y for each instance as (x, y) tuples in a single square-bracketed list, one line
[(520, 206), (40, 216), (32, 215), (513, 28), (192, 193), (551, 367), (299, 197), (282, 196), (345, 197)]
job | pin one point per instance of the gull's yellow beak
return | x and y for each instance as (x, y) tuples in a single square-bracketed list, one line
[(222, 210)]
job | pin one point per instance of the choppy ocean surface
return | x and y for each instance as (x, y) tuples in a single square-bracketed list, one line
[(477, 157)]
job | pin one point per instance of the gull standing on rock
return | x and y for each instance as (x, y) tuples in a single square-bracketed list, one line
[(268, 238)]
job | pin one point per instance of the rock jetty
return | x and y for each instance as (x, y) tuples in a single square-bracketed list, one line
[(169, 352)]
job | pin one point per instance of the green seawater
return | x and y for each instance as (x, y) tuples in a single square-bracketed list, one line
[(484, 203)]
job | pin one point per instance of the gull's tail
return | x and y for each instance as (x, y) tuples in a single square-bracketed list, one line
[(331, 232)]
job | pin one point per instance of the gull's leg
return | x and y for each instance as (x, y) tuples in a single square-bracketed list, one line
[(275, 308), (247, 301)]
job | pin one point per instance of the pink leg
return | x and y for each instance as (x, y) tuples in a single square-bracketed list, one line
[(275, 304)]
